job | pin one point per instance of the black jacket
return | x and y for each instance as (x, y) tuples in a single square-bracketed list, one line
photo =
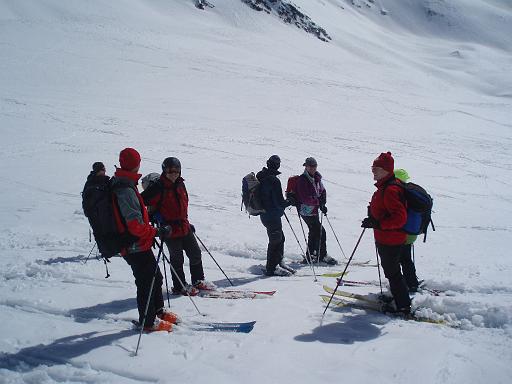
[(271, 194)]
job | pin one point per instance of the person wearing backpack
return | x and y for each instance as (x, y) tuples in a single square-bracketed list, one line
[(311, 199), (406, 262), (168, 200), (131, 216), (273, 202), (96, 179), (387, 214)]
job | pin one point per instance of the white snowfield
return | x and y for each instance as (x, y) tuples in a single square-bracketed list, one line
[(222, 89)]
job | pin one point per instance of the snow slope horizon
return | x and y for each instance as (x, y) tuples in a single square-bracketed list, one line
[(222, 90)]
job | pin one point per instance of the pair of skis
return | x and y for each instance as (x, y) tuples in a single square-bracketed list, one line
[(238, 327), (235, 294), (355, 300)]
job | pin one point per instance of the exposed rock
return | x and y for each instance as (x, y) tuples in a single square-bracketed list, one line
[(290, 14)]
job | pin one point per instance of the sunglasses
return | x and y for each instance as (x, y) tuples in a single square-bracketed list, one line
[(171, 171)]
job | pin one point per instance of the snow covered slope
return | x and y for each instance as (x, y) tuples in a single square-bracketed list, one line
[(222, 89)]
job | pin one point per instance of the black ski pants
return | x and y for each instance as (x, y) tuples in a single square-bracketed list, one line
[(391, 256), (408, 268), (275, 249), (143, 266), (177, 246), (315, 240)]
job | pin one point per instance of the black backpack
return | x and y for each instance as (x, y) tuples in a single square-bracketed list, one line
[(419, 208), (251, 195), (98, 205)]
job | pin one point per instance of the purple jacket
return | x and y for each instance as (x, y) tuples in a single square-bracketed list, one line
[(310, 194)]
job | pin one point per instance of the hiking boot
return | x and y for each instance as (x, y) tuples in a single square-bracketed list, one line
[(279, 271), (329, 260), (204, 285), (166, 315), (159, 325), (189, 290), (385, 298), (312, 259), (413, 289), (288, 268)]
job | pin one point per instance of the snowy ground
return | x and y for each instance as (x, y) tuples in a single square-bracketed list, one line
[(222, 89)]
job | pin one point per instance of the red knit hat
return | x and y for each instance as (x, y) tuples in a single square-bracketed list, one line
[(385, 161), (129, 159)]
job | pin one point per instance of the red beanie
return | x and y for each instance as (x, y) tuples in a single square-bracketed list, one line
[(385, 161), (129, 159)]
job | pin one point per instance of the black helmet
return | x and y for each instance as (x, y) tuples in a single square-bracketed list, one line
[(273, 162), (171, 162)]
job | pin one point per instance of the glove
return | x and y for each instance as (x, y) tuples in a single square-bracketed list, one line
[(164, 232), (290, 200), (323, 208), (157, 217), (192, 228), (369, 222)]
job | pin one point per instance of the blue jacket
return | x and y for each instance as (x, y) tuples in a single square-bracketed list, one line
[(271, 194)]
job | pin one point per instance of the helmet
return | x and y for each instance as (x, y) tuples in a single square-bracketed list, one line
[(149, 180), (273, 162), (402, 175), (171, 162)]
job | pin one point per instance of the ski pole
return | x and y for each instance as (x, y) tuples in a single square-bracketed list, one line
[(166, 283), (90, 253), (305, 240), (300, 246), (413, 259), (105, 260), (320, 239), (160, 252), (345, 270), (336, 237), (213, 258), (378, 268), (182, 284)]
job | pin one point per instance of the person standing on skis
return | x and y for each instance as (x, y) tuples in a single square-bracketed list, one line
[(311, 199), (131, 216), (387, 214), (271, 196), (168, 200)]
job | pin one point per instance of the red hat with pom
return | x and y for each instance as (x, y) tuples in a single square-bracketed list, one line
[(385, 161), (129, 159)]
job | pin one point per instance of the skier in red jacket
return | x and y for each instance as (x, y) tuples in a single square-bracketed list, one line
[(387, 214), (168, 199), (131, 215)]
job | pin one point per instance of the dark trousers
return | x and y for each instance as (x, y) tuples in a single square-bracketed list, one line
[(143, 266), (176, 246), (315, 241), (390, 257), (408, 268), (275, 249)]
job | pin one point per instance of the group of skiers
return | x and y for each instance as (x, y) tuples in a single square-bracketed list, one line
[(166, 198)]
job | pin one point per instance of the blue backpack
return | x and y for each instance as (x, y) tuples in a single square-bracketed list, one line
[(419, 208)]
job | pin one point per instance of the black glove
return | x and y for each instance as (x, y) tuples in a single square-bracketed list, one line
[(323, 208), (164, 232), (369, 222), (290, 200), (192, 228)]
